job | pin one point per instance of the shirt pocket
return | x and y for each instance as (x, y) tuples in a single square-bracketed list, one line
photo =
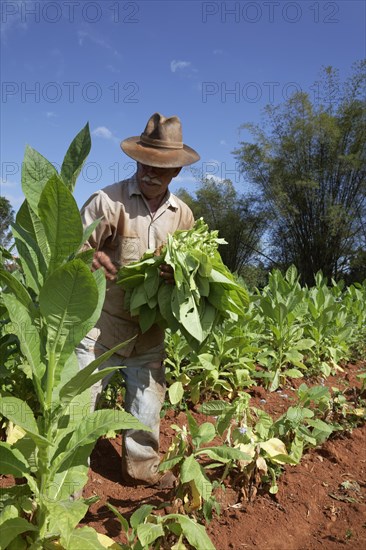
[(129, 250)]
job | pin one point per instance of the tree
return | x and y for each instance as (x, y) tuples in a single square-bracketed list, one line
[(309, 167), (6, 218), (238, 219)]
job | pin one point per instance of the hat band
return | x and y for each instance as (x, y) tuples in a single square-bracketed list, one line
[(161, 142)]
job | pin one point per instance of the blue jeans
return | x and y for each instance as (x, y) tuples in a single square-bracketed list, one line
[(145, 391)]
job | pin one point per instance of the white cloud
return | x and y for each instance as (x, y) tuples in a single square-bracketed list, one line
[(223, 142), (93, 37), (218, 52), (51, 114), (104, 133), (174, 65)]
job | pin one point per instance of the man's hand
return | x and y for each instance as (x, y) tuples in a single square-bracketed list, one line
[(167, 272), (101, 259)]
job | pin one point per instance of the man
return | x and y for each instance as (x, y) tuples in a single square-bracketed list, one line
[(137, 214)]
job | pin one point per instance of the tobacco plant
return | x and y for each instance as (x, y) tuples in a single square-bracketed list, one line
[(246, 429), (327, 324), (51, 307), (146, 531), (190, 459), (282, 307)]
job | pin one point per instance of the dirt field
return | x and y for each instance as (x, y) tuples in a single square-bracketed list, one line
[(311, 511)]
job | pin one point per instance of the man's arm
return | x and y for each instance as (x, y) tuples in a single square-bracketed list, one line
[(96, 207)]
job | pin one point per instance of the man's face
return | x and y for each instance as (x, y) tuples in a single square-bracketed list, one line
[(153, 181)]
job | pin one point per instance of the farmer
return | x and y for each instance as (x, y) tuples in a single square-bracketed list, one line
[(137, 214)]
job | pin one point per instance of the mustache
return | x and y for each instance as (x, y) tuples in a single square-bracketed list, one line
[(147, 179)]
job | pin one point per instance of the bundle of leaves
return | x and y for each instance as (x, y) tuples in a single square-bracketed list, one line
[(204, 293)]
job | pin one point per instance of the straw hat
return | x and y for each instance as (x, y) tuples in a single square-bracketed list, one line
[(160, 144)]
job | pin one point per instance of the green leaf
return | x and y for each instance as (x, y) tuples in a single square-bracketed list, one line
[(147, 317), (130, 281), (61, 220), (186, 312), (21, 414), (119, 516), (206, 433), (17, 289), (69, 481), (169, 463), (28, 336), (275, 381), (164, 301), (213, 408), (85, 378), (192, 471), (321, 426), (304, 344), (75, 157), (294, 373), (31, 258), (67, 301), (36, 171), (224, 453), (86, 256), (176, 392), (194, 533), (13, 527), (12, 461), (152, 281), (64, 516), (85, 538), (13, 494), (90, 428), (89, 230), (148, 532), (30, 222), (140, 515)]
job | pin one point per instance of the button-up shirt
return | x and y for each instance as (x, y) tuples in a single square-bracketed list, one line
[(126, 231)]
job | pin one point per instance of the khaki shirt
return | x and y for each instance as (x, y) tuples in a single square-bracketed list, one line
[(126, 231)]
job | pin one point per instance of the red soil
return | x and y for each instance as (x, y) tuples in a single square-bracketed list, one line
[(312, 509)]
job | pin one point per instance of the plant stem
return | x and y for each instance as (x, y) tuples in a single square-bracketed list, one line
[(50, 379)]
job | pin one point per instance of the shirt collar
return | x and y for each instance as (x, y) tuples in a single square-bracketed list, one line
[(134, 189)]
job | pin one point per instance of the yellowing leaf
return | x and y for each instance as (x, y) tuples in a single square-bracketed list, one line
[(262, 465), (247, 448), (107, 542), (14, 433), (195, 503), (274, 447)]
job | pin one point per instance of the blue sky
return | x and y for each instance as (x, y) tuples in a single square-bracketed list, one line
[(114, 63)]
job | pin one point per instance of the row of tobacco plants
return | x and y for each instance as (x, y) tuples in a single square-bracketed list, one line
[(50, 299), (287, 331)]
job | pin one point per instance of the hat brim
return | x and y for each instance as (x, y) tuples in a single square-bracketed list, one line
[(158, 156)]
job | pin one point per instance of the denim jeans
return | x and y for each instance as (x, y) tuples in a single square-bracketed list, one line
[(145, 391)]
